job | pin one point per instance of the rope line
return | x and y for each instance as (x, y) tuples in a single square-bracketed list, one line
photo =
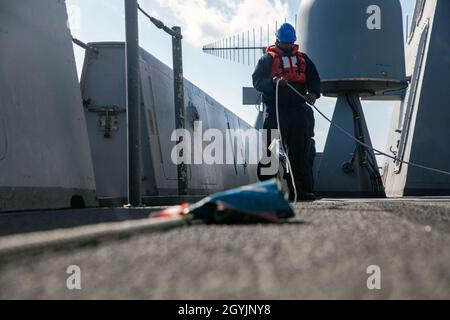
[(281, 146), (364, 144)]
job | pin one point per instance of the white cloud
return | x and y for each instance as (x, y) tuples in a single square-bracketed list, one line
[(204, 22)]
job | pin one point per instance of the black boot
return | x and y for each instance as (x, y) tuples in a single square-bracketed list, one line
[(305, 196), (302, 196)]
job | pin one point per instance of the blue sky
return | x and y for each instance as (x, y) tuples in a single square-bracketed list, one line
[(202, 22)]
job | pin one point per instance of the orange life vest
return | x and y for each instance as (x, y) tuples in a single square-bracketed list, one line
[(292, 68)]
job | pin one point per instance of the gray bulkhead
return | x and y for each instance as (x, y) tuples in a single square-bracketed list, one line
[(420, 128), (103, 89), (45, 160)]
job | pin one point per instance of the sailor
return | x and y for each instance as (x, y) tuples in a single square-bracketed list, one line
[(284, 61)]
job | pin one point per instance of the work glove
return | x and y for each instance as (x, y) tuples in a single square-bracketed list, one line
[(311, 98)]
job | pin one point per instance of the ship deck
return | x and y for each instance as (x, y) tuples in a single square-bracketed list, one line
[(323, 253)]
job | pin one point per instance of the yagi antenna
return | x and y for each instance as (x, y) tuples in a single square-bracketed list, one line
[(247, 47)]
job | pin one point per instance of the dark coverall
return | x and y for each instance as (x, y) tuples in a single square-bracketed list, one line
[(296, 119)]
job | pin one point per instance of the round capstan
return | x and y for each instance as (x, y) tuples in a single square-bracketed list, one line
[(357, 45)]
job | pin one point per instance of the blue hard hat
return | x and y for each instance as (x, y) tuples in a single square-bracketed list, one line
[(286, 33)]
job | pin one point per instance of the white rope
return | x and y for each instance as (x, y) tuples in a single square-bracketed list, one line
[(364, 144), (288, 162)]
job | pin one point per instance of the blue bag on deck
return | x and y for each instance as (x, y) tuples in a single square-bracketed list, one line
[(257, 203)]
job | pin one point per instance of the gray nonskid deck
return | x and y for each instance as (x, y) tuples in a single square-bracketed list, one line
[(323, 253)]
